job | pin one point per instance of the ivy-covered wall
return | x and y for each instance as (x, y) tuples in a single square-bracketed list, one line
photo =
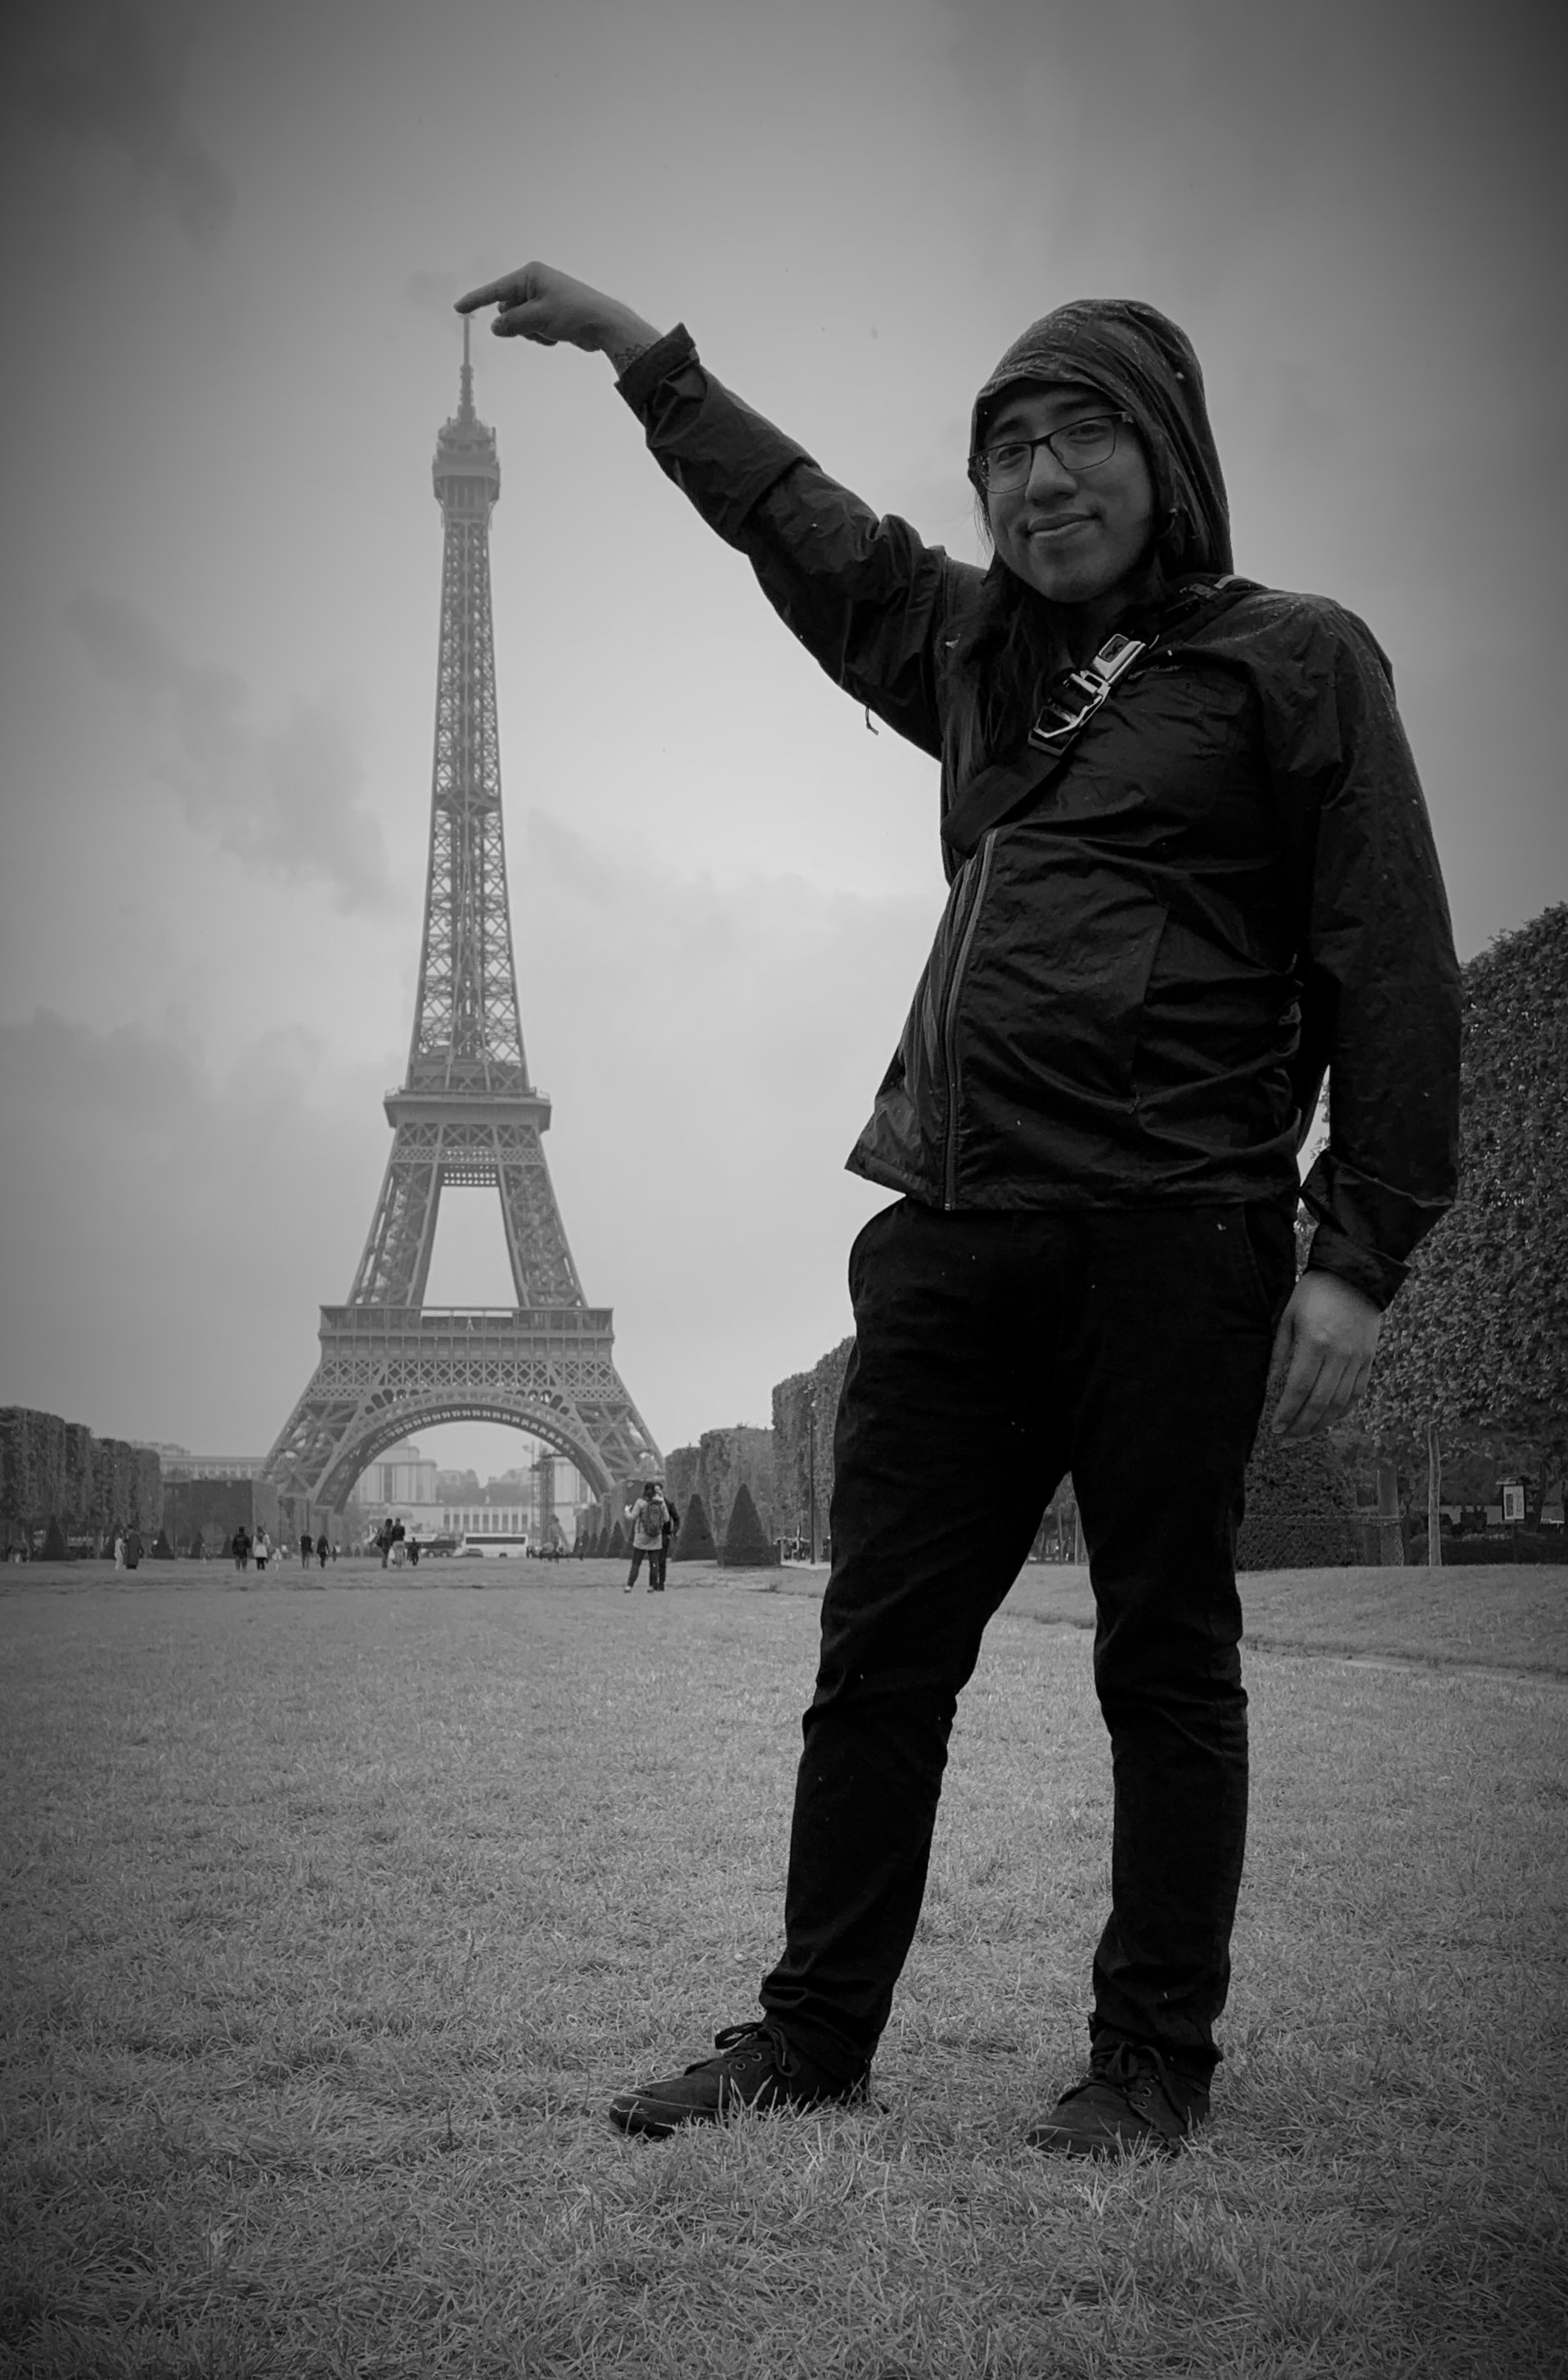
[(54, 1473)]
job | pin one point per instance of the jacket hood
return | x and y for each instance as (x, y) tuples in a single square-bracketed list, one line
[(1144, 363)]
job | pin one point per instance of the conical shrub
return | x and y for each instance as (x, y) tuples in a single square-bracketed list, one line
[(694, 1538), (162, 1549), (54, 1542), (619, 1541), (746, 1547)]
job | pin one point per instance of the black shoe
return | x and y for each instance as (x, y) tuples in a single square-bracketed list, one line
[(1130, 2098), (754, 2067)]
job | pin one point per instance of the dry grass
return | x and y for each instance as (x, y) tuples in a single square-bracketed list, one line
[(334, 1921), (1489, 1616)]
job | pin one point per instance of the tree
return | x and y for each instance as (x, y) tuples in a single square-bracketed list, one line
[(746, 1547), (1478, 1336), (694, 1538)]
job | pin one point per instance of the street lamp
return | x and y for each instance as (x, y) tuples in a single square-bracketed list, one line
[(811, 1464)]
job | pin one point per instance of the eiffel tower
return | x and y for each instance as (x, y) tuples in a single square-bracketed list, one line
[(466, 1114)]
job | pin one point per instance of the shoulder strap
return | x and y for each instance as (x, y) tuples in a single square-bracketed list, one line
[(1002, 791)]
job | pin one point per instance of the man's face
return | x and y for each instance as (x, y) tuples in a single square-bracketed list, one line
[(1074, 537)]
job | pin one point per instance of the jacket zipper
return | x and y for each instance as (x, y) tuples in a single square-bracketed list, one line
[(949, 1021)]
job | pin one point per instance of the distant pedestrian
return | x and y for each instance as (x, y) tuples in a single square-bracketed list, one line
[(133, 1546), (119, 1549), (263, 1547), (667, 1536), (322, 1549), (239, 1546), (648, 1516), (397, 1541), (304, 1551), (383, 1542)]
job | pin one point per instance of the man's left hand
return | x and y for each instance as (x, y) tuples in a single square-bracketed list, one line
[(1323, 1347)]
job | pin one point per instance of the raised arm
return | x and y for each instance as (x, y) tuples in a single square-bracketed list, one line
[(870, 601), (540, 303)]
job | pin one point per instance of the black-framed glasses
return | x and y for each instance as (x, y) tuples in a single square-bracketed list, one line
[(1078, 447)]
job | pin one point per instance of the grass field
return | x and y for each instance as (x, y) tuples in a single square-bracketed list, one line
[(333, 1920)]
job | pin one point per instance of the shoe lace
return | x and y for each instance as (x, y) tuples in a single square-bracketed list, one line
[(760, 2037), (1137, 2069)]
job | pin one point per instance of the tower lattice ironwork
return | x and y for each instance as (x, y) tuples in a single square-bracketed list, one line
[(466, 1114)]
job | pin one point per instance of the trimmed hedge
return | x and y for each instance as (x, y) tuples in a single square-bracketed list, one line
[(1301, 1509), (1495, 1545), (694, 1538), (746, 1547)]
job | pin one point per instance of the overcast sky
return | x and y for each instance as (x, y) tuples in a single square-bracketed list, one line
[(233, 235)]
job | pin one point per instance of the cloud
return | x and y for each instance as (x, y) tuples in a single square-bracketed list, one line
[(168, 1232), (434, 293), (287, 800), (127, 96), (713, 1051)]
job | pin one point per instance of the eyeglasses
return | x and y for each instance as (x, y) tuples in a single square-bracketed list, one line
[(1078, 447)]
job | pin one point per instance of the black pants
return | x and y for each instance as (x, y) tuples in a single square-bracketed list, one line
[(993, 1353), (655, 1567)]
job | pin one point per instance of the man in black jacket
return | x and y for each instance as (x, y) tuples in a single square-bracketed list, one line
[(1190, 868)]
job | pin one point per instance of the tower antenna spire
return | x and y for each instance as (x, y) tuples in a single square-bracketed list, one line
[(465, 401)]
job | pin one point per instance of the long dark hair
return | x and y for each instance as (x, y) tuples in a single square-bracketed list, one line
[(1015, 643)]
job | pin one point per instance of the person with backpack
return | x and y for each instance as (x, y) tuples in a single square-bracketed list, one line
[(667, 1536), (1189, 869), (648, 1517)]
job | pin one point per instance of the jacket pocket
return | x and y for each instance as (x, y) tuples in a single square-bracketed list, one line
[(1055, 1004)]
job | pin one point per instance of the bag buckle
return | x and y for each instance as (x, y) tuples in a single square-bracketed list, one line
[(1082, 692)]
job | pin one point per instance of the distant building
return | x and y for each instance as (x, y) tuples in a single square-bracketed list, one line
[(180, 1464), (400, 1477)]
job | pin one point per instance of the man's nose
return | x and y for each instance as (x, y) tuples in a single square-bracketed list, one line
[(1047, 475)]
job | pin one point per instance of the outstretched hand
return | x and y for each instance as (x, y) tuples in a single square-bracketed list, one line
[(1323, 1347), (540, 303)]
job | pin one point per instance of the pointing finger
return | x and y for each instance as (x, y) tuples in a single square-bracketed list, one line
[(508, 290)]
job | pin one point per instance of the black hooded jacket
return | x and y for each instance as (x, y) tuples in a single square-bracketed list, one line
[(1230, 884)]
